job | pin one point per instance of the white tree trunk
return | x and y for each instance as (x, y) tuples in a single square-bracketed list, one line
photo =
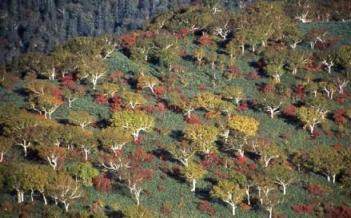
[(270, 211), (1, 157), (247, 191), (44, 198), (193, 185), (66, 205), (86, 152), (31, 195)]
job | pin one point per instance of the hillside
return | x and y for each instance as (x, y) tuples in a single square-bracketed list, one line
[(206, 112)]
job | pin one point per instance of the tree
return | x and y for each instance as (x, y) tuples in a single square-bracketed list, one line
[(229, 193), (63, 188), (73, 93), (37, 180), (271, 199), (147, 82), (185, 104), (296, 59), (283, 175), (310, 117), (183, 152), (194, 172), (52, 153), (234, 92), (18, 124), (5, 145), (232, 48), (212, 103), (272, 104), (25, 177), (46, 104), (244, 127), (343, 57), (268, 152), (133, 121), (275, 68), (243, 124), (326, 160), (91, 68), (166, 50), (202, 136), (109, 89), (86, 140), (39, 87), (135, 175), (133, 99), (83, 171), (293, 36), (199, 54), (81, 118), (314, 36), (113, 138)]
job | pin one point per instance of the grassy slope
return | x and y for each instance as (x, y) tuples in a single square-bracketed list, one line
[(163, 188)]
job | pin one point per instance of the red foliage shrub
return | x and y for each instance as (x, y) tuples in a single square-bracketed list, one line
[(252, 166), (341, 98), (139, 140), (245, 207), (299, 91), (129, 39), (220, 175), (233, 71), (68, 81), (211, 159), (206, 207), (311, 66), (166, 209), (339, 212), (205, 40), (115, 104), (102, 183), (149, 108), (267, 88), (327, 43), (116, 76), (241, 159), (140, 155), (57, 93), (302, 208), (148, 34), (193, 119), (338, 147), (243, 106), (315, 189), (161, 107), (101, 99), (202, 87), (183, 32), (339, 116), (290, 111), (316, 133), (159, 91), (253, 76)]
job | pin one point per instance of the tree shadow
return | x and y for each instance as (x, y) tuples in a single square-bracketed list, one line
[(176, 135), (163, 154), (176, 174)]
